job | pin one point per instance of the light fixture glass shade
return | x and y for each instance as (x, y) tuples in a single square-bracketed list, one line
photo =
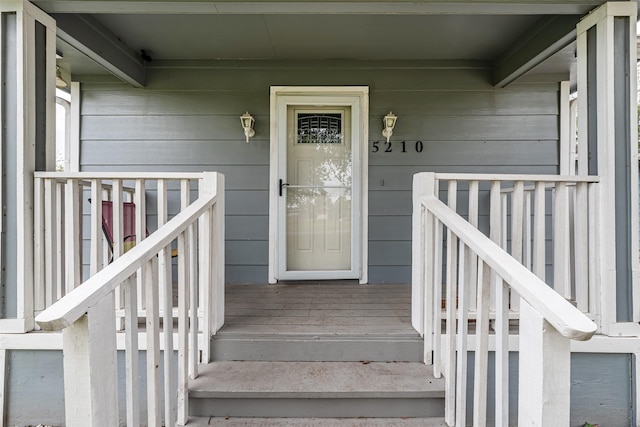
[(389, 123), (247, 121), (60, 83)]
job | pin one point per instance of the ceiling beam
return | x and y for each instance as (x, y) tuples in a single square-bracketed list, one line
[(91, 38), (475, 7), (548, 36)]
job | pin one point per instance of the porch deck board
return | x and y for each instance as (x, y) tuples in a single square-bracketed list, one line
[(316, 422), (318, 308)]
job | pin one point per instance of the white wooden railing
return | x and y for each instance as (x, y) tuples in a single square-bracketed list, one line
[(87, 314), (70, 244), (467, 281)]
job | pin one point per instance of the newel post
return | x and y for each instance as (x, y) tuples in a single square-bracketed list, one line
[(544, 372), (90, 369), (424, 184), (212, 260)]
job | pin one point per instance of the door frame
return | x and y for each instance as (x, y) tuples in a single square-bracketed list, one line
[(358, 98)]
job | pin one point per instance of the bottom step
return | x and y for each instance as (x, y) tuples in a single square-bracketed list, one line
[(316, 422), (316, 390)]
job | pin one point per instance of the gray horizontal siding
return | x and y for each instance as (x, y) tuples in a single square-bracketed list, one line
[(186, 119), (35, 387), (430, 103), (598, 396), (456, 152), (183, 152), (220, 128)]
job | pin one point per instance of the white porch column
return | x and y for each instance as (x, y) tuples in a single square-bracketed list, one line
[(27, 115), (608, 148)]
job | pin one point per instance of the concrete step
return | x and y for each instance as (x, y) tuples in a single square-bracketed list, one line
[(317, 348), (316, 422), (316, 389)]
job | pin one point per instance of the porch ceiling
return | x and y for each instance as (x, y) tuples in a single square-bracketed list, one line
[(294, 37), (353, 30)]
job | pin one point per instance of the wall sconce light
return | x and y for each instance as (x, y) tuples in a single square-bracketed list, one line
[(247, 124), (389, 123), (60, 82)]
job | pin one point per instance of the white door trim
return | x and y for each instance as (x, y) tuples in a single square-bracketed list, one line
[(327, 95)]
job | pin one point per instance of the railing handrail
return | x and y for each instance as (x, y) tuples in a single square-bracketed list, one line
[(72, 306), (565, 318), (119, 175), (516, 177)]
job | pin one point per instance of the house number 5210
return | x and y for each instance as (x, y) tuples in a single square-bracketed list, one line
[(389, 147)]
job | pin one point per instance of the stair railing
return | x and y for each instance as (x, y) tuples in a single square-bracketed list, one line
[(87, 317), (70, 243), (474, 268)]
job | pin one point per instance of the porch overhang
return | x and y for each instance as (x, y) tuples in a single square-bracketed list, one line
[(84, 33), (481, 7), (550, 35), (515, 36)]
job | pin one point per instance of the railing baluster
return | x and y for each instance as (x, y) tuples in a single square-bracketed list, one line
[(497, 224), (73, 234), (581, 236), (60, 249), (504, 221), (539, 231), (162, 215), (165, 285), (517, 202), (594, 259), (502, 351), (95, 263), (517, 227), (526, 255), (117, 236), (472, 261), (131, 352), (450, 301), (183, 331), (427, 246), (185, 196), (106, 255), (482, 346), (461, 374), (139, 199), (118, 219), (154, 395), (39, 278), (50, 241), (561, 273), (437, 299)]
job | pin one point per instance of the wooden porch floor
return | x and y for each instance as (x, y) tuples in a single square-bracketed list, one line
[(319, 308)]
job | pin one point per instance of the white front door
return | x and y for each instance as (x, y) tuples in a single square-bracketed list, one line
[(317, 156)]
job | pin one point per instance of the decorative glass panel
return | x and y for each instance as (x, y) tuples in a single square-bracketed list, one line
[(319, 128)]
